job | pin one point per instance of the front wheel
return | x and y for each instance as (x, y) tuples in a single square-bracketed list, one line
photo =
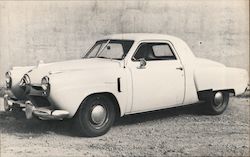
[(95, 116), (217, 102)]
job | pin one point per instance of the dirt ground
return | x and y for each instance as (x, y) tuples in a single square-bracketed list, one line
[(171, 132)]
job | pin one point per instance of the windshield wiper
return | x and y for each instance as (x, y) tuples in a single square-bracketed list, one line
[(100, 51)]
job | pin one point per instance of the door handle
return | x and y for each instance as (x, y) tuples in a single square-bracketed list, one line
[(179, 68)]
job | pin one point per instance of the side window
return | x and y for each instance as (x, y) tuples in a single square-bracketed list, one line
[(154, 51), (162, 50), (141, 52)]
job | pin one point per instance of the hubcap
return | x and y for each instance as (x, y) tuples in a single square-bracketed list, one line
[(218, 98), (98, 114)]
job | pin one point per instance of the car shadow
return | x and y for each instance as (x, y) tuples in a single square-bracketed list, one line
[(193, 109), (21, 127)]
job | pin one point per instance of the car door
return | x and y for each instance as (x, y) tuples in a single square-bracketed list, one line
[(160, 83)]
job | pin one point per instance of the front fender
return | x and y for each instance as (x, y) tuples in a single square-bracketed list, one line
[(70, 98), (68, 90)]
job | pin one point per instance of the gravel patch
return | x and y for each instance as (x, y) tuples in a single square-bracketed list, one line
[(172, 132)]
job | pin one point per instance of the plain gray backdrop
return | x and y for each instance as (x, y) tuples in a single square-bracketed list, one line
[(62, 30)]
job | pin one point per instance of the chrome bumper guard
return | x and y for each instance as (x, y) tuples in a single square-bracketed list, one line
[(43, 113)]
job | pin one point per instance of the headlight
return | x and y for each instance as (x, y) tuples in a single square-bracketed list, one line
[(8, 79), (45, 82), (25, 80)]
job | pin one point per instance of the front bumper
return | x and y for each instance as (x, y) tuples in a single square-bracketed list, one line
[(44, 113)]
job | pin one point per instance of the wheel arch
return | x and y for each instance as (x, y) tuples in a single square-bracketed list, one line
[(202, 95), (111, 96)]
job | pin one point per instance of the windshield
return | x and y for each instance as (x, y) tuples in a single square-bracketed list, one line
[(111, 49)]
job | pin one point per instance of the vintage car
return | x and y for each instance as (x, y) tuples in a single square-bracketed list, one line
[(122, 74)]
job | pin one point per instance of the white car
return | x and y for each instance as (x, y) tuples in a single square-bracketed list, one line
[(122, 74)]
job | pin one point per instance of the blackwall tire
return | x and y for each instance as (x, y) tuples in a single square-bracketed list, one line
[(95, 116), (217, 103)]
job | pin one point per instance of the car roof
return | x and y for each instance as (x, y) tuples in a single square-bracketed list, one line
[(180, 46), (140, 36)]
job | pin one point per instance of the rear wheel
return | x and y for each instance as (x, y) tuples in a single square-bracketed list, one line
[(95, 116), (217, 102)]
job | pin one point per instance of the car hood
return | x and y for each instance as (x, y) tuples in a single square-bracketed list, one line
[(42, 70)]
